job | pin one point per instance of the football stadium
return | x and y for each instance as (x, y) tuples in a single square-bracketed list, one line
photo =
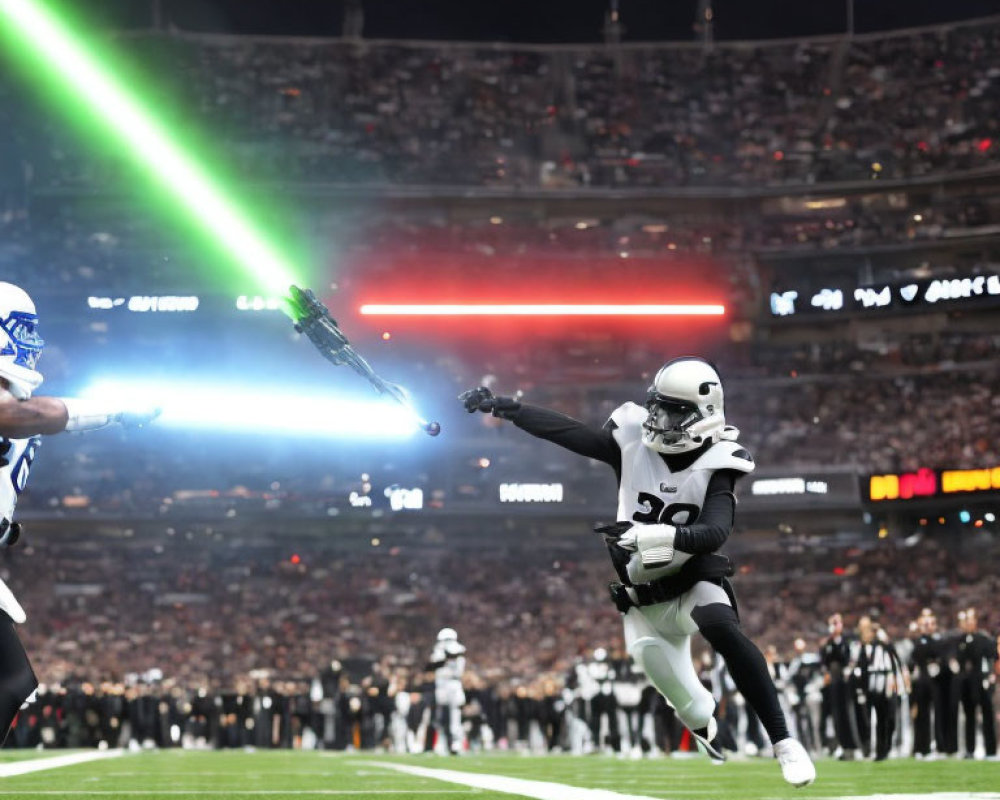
[(590, 400)]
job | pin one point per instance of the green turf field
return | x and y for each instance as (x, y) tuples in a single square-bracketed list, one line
[(234, 774)]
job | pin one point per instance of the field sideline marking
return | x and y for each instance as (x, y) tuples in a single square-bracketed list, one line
[(541, 790), (39, 764), (544, 790), (226, 792)]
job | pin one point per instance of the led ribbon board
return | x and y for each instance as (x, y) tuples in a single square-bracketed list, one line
[(42, 37)]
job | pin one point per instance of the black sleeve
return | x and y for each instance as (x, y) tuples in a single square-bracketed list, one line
[(570, 433), (715, 522)]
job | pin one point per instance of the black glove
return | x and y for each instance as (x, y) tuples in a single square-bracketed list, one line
[(619, 596), (611, 532), (482, 399)]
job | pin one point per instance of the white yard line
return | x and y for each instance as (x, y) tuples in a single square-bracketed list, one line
[(541, 790), (545, 790), (39, 764)]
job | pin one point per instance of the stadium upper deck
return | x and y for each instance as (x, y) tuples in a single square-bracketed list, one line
[(745, 117)]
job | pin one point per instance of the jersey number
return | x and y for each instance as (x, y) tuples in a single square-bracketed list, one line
[(658, 511), (19, 474)]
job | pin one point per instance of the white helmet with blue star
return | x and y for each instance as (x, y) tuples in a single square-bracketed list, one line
[(20, 344)]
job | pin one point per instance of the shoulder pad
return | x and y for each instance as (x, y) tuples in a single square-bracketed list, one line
[(726, 455), (628, 414)]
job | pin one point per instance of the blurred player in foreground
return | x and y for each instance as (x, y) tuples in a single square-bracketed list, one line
[(677, 463), (23, 420)]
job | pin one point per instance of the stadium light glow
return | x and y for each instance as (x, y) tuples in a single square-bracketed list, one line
[(539, 310), (241, 407), (55, 47)]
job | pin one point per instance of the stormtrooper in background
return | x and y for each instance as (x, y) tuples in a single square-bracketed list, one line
[(448, 663), (24, 419), (805, 693), (603, 703)]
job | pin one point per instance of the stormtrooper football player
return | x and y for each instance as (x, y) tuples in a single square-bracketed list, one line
[(448, 663), (677, 463), (23, 420)]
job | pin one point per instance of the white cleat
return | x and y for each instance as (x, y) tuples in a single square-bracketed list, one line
[(796, 766)]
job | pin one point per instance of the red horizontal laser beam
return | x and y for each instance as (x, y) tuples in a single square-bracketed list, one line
[(540, 310)]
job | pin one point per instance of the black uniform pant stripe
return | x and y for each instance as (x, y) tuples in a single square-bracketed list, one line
[(720, 626)]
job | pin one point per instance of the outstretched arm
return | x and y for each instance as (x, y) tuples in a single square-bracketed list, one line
[(576, 436), (570, 433), (20, 419)]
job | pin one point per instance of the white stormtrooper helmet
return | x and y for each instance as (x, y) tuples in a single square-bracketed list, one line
[(447, 635), (685, 407)]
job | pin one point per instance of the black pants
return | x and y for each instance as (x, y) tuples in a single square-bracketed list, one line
[(975, 696), (804, 724), (885, 723), (947, 707), (728, 718), (634, 718), (754, 730), (601, 705), (666, 728), (930, 705), (17, 680), (840, 710)]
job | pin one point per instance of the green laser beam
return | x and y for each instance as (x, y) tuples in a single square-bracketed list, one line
[(124, 116)]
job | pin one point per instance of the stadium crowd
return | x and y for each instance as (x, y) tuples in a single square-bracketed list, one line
[(896, 105), (183, 638), (845, 420), (98, 247)]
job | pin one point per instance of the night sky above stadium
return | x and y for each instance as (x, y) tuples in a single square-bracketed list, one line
[(535, 20)]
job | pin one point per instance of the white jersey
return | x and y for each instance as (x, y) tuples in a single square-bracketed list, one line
[(16, 456), (650, 493), (586, 684), (602, 676), (454, 663), (448, 689)]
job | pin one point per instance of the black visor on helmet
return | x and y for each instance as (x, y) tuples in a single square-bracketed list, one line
[(668, 416)]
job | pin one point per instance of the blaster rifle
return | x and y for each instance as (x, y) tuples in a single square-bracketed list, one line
[(314, 319)]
